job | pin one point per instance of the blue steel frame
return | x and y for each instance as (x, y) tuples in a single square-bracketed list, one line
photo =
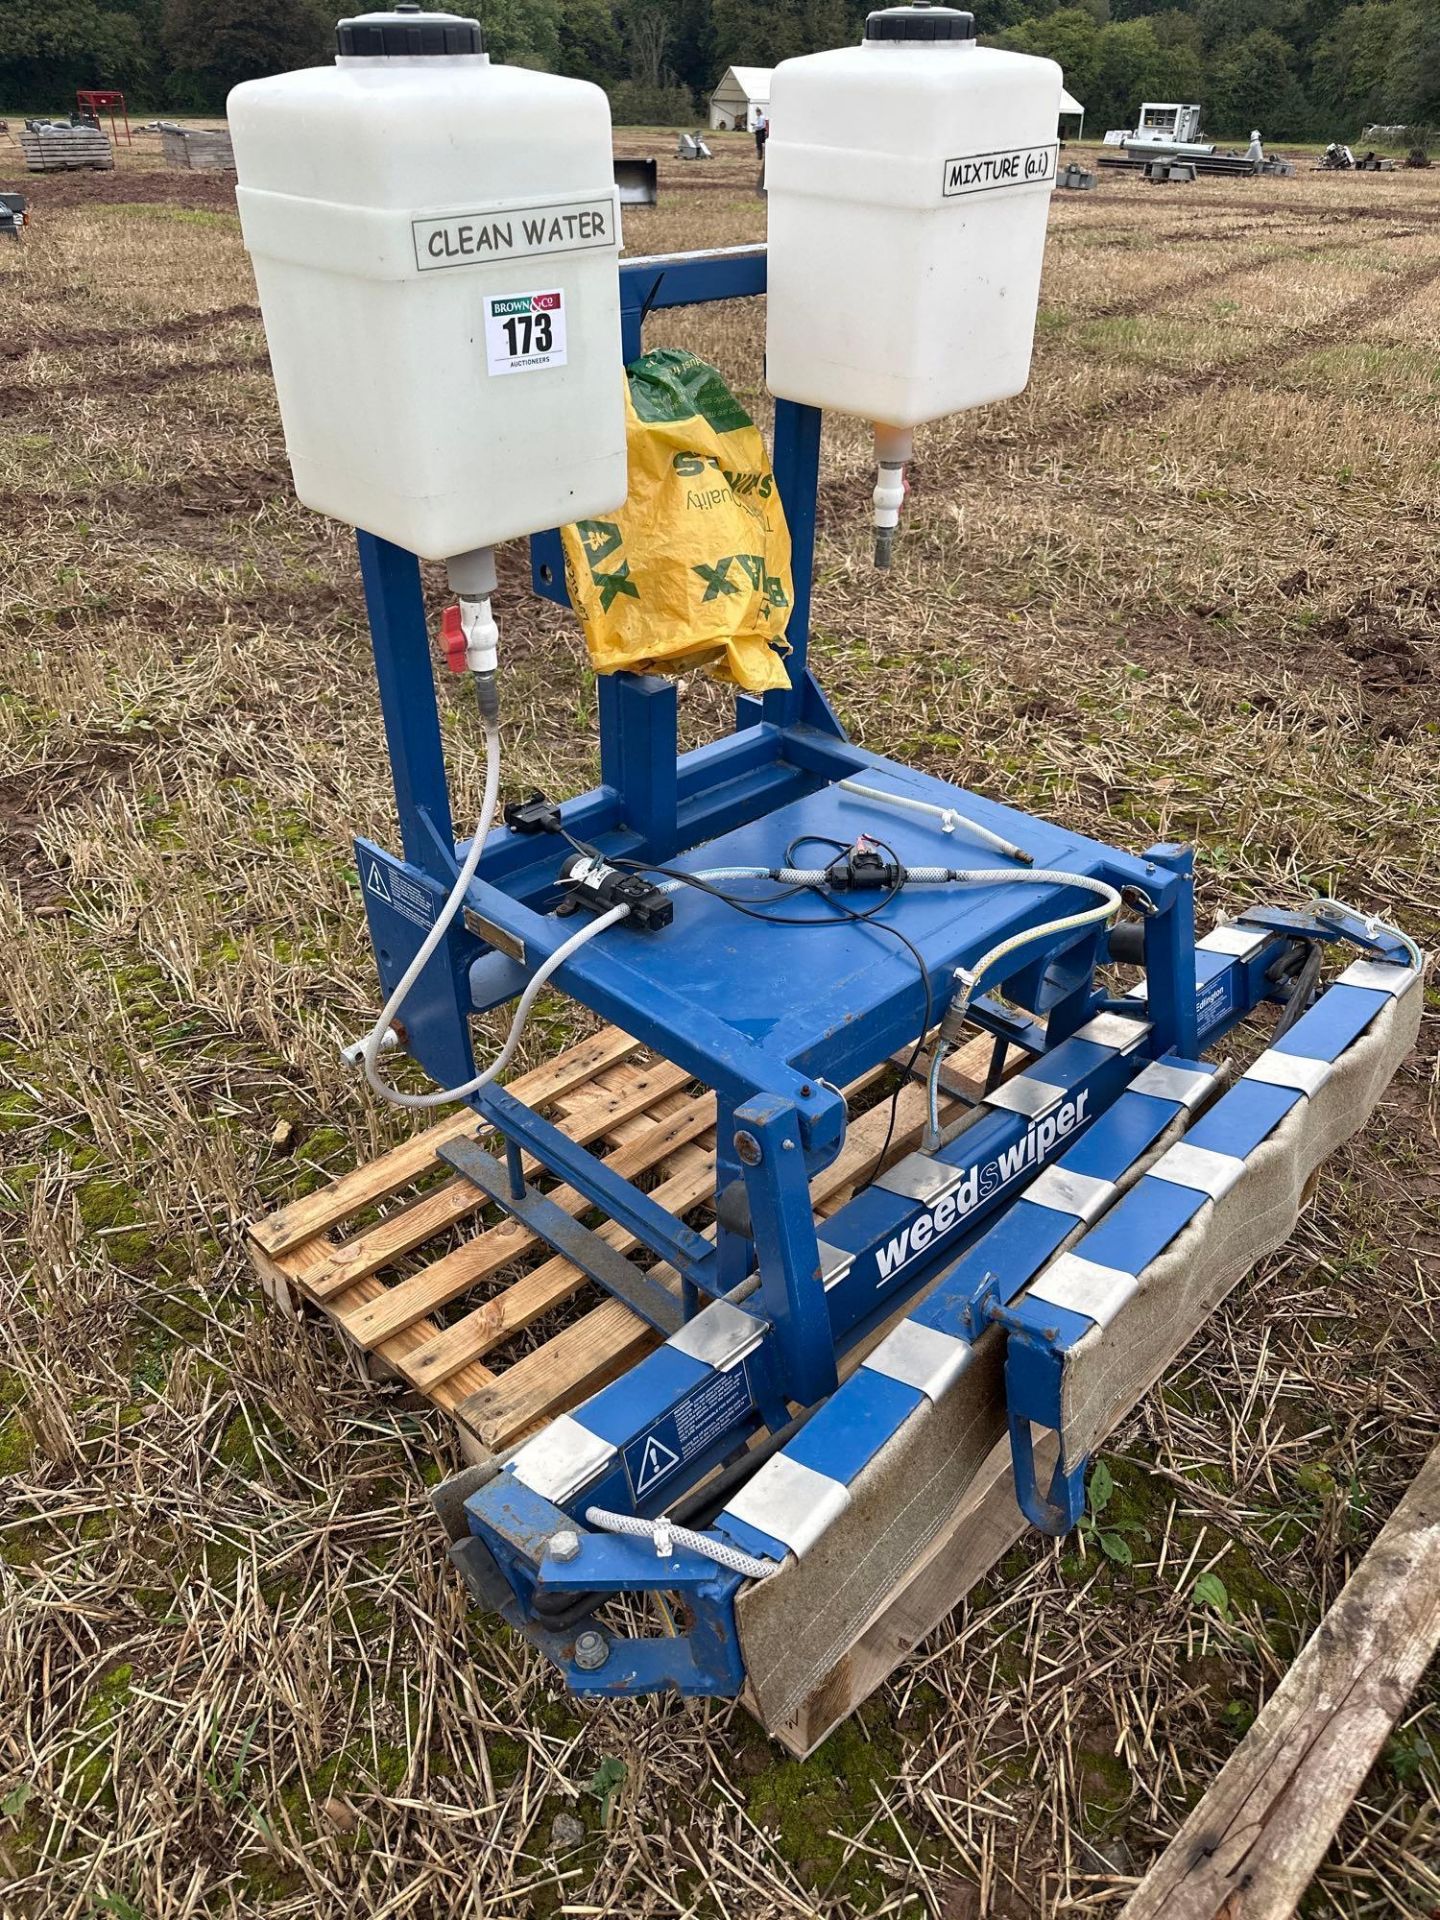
[(979, 1271), (786, 754), (740, 798)]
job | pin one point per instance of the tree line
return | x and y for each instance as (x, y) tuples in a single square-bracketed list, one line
[(1297, 69)]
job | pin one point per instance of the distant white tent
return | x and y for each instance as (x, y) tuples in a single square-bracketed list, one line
[(1070, 108), (741, 100)]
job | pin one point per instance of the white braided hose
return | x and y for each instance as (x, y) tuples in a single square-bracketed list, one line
[(947, 817), (659, 1531), (711, 874), (970, 977), (374, 1040), (1372, 923)]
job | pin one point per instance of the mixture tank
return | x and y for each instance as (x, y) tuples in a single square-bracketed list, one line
[(909, 182)]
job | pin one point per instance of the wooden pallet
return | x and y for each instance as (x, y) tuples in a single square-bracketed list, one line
[(202, 149), (401, 1256), (422, 1275), (429, 1283)]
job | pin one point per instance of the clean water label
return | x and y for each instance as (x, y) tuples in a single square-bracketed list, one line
[(518, 233), (524, 331), (1011, 167)]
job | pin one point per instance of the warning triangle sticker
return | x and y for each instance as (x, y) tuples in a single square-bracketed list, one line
[(655, 1462), (375, 883)]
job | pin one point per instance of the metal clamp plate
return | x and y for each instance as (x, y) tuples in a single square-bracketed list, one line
[(1063, 1191), (791, 1502), (1239, 942), (719, 1335), (562, 1459), (1294, 1070), (835, 1263), (1028, 1095), (922, 1357), (1120, 1032), (919, 1176), (1383, 976), (1199, 1168), (1084, 1286), (1186, 1086)]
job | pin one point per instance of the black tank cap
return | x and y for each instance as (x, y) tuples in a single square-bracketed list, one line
[(407, 31), (920, 22)]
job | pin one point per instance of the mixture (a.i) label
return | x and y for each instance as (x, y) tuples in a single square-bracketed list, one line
[(1011, 167)]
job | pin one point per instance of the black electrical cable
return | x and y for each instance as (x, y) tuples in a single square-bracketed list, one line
[(814, 840), (849, 913), (754, 910), (1301, 993)]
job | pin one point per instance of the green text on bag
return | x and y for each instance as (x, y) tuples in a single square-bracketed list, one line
[(694, 569)]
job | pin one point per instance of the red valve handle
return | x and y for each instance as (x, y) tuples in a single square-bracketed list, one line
[(453, 635)]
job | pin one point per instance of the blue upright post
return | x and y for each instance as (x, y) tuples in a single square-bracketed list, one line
[(767, 1142), (436, 1017), (1170, 956), (639, 750), (796, 461), (639, 737), (401, 640), (735, 1253)]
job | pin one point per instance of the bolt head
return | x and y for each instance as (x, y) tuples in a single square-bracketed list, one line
[(592, 1650), (564, 1545), (747, 1149)]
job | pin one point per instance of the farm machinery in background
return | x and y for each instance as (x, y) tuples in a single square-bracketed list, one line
[(1166, 145), (780, 913), (1338, 158)]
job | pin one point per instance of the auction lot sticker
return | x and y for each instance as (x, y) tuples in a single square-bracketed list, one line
[(524, 331)]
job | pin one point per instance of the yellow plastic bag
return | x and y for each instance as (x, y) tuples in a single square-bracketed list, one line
[(694, 570)]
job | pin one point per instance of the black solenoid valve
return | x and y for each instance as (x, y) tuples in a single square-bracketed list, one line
[(861, 868), (593, 883)]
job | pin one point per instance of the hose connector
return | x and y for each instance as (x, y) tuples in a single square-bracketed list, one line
[(473, 640), (893, 447), (952, 1026)]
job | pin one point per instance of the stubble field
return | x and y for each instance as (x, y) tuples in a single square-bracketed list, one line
[(1186, 587)]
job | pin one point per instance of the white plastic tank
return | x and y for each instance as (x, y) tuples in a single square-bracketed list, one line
[(435, 241), (909, 182)]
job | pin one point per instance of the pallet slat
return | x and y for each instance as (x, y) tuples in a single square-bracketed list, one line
[(458, 1200), (455, 1273), (550, 1285), (652, 1123), (582, 1358), (375, 1180)]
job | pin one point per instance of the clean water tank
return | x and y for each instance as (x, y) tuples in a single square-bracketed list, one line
[(435, 242)]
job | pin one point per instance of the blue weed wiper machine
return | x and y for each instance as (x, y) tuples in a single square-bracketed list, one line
[(820, 1401)]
